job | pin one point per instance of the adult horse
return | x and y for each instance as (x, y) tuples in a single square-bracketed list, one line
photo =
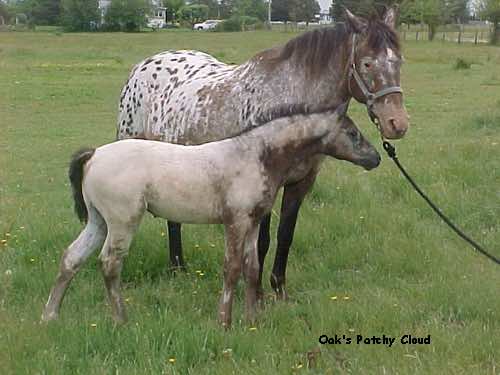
[(189, 97)]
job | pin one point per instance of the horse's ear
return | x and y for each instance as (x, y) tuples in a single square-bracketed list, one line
[(390, 17), (341, 110), (354, 23)]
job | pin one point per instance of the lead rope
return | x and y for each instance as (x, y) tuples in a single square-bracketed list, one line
[(391, 151)]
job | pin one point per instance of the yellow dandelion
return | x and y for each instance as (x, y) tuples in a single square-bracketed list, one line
[(3, 242), (346, 298), (351, 330), (212, 245), (171, 360), (7, 234), (227, 352), (202, 273), (252, 329), (127, 299), (198, 271), (163, 234), (333, 298), (93, 325), (32, 260), (300, 365), (197, 246)]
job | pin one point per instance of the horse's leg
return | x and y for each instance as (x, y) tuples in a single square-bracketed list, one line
[(91, 238), (114, 250), (175, 245), (293, 195), (251, 270), (233, 259), (263, 247)]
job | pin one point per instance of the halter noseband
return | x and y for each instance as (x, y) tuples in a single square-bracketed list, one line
[(370, 96)]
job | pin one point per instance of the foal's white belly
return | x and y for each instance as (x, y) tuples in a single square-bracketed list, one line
[(187, 199)]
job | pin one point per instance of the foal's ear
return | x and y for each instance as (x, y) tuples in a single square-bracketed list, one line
[(341, 110), (390, 17), (354, 23)]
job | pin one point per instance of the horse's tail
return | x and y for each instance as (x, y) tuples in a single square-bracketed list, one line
[(75, 174)]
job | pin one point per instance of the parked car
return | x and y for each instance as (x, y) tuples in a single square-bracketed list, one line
[(207, 25)]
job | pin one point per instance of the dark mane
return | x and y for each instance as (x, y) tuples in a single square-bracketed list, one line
[(315, 49)]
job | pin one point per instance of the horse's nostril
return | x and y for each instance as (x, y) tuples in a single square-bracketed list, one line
[(398, 131)]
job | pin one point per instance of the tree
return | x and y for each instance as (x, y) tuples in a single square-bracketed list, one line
[(280, 10), (193, 13), (305, 10), (365, 8), (212, 5), (127, 15), (226, 8), (429, 12), (173, 7), (251, 8), (40, 12), (490, 10), (4, 14), (80, 15)]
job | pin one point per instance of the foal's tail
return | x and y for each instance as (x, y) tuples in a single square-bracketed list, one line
[(75, 174)]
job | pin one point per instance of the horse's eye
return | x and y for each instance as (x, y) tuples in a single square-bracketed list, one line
[(368, 65), (352, 133)]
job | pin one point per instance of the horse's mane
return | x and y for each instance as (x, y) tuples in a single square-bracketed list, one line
[(314, 50)]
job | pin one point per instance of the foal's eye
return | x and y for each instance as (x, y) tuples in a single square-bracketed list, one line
[(367, 65), (352, 133)]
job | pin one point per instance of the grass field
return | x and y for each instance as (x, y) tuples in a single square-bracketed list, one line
[(364, 238)]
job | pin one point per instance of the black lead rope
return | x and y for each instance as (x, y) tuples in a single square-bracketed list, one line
[(391, 151)]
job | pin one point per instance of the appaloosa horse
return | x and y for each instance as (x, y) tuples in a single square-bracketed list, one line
[(233, 182), (189, 97)]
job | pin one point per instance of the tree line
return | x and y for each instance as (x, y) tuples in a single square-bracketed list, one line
[(430, 12)]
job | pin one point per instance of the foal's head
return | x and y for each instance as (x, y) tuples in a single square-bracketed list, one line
[(345, 142)]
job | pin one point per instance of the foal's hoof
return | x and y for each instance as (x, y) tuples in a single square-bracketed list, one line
[(48, 316)]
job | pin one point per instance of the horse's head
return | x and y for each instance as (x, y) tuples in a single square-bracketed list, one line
[(374, 71), (345, 142)]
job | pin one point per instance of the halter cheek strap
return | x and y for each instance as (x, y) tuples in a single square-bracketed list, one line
[(369, 96)]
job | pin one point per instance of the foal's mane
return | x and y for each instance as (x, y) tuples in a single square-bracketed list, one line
[(315, 50), (282, 111)]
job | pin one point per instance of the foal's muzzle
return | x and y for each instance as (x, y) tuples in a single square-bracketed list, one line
[(370, 162)]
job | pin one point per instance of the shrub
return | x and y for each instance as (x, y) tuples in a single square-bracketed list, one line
[(462, 64), (231, 24)]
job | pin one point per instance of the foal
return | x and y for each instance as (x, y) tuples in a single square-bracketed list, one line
[(233, 182)]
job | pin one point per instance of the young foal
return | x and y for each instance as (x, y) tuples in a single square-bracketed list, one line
[(233, 182)]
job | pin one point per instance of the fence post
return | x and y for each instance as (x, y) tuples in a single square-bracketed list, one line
[(459, 40), (416, 37), (444, 36), (475, 37)]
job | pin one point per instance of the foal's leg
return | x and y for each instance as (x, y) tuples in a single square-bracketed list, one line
[(293, 195), (263, 247), (251, 272), (175, 245), (233, 259), (74, 256), (114, 250)]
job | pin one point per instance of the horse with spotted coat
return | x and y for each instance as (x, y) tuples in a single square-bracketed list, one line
[(189, 97)]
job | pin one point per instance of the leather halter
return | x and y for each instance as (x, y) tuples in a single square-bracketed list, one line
[(369, 96)]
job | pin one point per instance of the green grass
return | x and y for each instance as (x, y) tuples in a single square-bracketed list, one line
[(363, 235)]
